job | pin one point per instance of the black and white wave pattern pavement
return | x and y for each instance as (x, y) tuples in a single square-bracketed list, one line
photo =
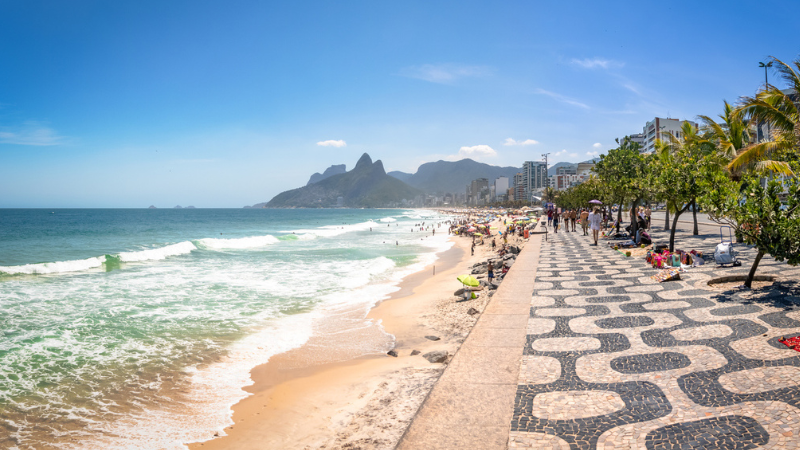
[(614, 360)]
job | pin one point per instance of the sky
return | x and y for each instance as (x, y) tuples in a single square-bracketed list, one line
[(228, 103)]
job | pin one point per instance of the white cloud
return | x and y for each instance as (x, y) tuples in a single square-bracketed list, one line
[(30, 133), (597, 145), (332, 143), (591, 153), (560, 152), (573, 155), (592, 63), (444, 73), (510, 141), (476, 151), (563, 99)]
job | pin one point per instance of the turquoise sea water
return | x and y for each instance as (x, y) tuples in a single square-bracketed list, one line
[(138, 328)]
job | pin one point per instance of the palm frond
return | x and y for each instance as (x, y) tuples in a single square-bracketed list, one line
[(754, 153), (777, 167)]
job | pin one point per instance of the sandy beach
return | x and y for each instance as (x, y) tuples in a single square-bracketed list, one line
[(309, 399)]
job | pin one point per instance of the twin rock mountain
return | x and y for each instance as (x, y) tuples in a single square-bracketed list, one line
[(369, 186)]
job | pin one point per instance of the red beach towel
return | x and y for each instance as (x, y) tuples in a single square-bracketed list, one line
[(793, 342)]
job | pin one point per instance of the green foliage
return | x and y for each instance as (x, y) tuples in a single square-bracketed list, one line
[(580, 195), (782, 115), (767, 217)]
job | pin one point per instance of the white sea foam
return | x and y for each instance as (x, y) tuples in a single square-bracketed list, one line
[(388, 219), (180, 248), (238, 243), (55, 267), (336, 230), (214, 390)]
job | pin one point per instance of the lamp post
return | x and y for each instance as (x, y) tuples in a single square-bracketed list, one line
[(765, 66), (766, 86)]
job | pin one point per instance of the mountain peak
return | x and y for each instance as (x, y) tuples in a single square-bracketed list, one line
[(364, 161), (378, 166)]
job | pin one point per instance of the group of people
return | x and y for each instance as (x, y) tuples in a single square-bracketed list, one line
[(570, 217)]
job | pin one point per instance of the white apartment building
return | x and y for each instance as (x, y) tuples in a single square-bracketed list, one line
[(501, 186), (653, 129), (534, 176)]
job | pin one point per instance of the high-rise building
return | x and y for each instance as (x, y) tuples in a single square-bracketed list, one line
[(500, 187), (474, 190), (653, 130), (519, 186), (534, 176)]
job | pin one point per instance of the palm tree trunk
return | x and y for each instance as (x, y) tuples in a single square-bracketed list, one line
[(752, 274), (695, 232)]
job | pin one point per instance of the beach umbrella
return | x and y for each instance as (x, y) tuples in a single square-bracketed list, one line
[(471, 229), (468, 280), (595, 202)]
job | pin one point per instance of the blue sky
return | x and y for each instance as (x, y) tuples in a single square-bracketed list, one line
[(224, 104)]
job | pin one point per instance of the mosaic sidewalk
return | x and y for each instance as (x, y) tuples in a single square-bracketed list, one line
[(614, 360)]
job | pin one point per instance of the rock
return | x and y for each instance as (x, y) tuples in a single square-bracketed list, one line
[(492, 287), (392, 353), (432, 338), (473, 311), (509, 256), (509, 263), (479, 269), (460, 292), (491, 293), (437, 356), (415, 352)]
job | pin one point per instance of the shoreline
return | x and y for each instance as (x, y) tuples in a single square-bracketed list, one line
[(300, 400)]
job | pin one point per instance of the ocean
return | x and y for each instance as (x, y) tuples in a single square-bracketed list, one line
[(137, 328)]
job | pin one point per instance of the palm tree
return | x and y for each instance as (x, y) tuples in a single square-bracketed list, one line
[(731, 135), (778, 110)]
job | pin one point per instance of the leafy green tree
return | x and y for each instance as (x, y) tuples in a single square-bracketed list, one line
[(688, 151), (624, 173), (758, 214), (779, 111)]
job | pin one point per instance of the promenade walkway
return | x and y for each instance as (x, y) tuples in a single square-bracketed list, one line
[(580, 349)]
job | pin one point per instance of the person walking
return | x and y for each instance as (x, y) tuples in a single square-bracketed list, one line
[(594, 223), (565, 220), (573, 217), (555, 222), (584, 220), (549, 217), (490, 269)]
